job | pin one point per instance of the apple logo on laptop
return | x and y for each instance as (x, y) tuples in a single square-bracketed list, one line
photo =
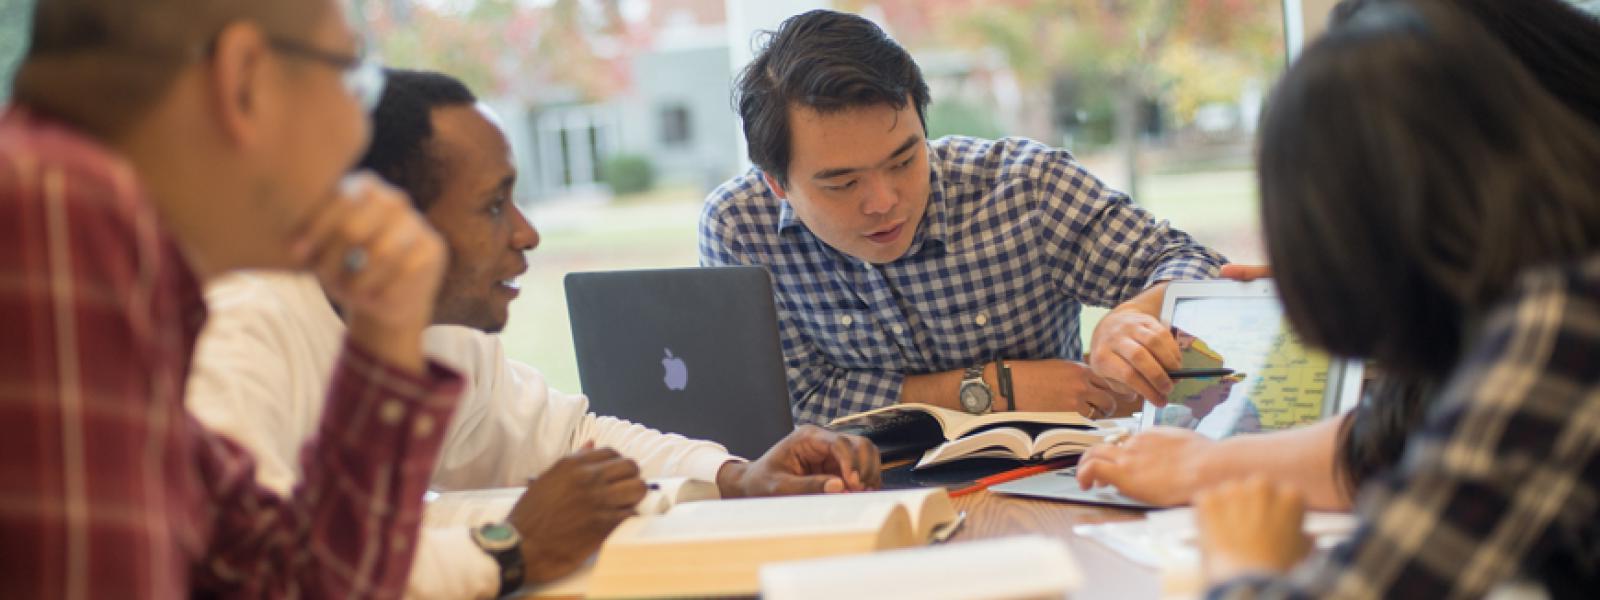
[(677, 375)]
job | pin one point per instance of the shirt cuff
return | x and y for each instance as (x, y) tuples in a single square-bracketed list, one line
[(705, 465), (1188, 268)]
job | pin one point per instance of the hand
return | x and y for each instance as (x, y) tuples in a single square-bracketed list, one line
[(378, 259), (1246, 272), (811, 460), (1161, 466), (567, 512), (1134, 351), (1250, 526), (1065, 386)]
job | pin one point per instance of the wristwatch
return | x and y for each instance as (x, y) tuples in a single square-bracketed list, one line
[(976, 397), (502, 543)]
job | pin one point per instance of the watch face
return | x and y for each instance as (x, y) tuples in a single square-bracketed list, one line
[(496, 536), (974, 398)]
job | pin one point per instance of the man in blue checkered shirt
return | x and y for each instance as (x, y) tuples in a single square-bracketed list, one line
[(905, 268)]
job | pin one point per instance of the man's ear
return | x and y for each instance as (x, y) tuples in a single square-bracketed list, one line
[(773, 183), (238, 71)]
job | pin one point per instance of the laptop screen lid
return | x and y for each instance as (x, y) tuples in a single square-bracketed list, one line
[(1277, 382), (689, 351)]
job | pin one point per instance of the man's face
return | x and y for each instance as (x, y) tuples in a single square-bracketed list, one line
[(858, 178), (313, 129), (485, 231)]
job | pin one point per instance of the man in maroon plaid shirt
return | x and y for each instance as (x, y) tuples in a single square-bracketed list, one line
[(153, 145)]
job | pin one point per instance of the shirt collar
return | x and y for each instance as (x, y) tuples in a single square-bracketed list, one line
[(934, 230), (931, 233)]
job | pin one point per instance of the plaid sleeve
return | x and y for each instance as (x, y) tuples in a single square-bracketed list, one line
[(1502, 476), (818, 391), (350, 528), (1109, 249)]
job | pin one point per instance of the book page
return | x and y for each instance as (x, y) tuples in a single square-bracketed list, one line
[(792, 515), (1013, 567), (1005, 442), (766, 517), (956, 424), (1047, 444)]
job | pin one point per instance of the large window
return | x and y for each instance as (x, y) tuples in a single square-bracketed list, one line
[(1158, 97)]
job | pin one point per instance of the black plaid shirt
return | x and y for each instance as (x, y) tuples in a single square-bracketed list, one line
[(1503, 479)]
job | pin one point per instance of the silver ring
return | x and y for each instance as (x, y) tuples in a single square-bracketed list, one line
[(355, 260)]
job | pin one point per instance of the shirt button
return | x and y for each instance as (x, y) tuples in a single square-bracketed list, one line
[(846, 320), (897, 329), (401, 543), (392, 412), (423, 426), (981, 320)]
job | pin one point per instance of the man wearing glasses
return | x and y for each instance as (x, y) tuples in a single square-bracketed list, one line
[(153, 146)]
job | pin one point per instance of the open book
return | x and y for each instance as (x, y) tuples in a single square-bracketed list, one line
[(717, 548), (943, 435), (1013, 442), (470, 508)]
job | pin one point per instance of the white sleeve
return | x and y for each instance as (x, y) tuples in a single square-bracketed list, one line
[(507, 427), (658, 454), (511, 425), (449, 565), (237, 393)]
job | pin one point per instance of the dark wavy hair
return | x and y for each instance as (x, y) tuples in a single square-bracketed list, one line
[(1410, 168), (827, 61)]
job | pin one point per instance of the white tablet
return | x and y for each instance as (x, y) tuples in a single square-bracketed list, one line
[(1275, 381)]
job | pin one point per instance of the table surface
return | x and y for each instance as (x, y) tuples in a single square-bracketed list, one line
[(1106, 574)]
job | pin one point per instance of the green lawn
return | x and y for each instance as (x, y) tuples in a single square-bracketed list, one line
[(1218, 208)]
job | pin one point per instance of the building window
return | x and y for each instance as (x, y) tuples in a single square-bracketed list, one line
[(675, 125)]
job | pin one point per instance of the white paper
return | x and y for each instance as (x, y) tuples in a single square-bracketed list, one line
[(1012, 567)]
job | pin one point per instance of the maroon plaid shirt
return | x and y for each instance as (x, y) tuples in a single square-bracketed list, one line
[(108, 487)]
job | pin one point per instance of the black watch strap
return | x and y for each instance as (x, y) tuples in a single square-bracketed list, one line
[(1003, 373), (501, 542)]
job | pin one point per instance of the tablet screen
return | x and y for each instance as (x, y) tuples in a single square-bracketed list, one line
[(1277, 383)]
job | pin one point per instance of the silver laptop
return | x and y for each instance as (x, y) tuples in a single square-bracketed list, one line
[(1276, 382), (688, 351)]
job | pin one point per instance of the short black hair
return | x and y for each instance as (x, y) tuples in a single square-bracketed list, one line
[(402, 125), (826, 61)]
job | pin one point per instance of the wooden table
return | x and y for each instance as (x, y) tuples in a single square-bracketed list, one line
[(1106, 574)]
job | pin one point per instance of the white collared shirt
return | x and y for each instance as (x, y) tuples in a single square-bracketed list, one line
[(260, 375)]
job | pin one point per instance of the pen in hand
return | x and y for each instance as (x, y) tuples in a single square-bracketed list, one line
[(1198, 373)]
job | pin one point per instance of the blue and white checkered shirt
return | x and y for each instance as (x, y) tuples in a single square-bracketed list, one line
[(1016, 238)]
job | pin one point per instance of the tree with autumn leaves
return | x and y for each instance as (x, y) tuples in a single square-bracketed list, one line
[(1183, 53), (552, 52)]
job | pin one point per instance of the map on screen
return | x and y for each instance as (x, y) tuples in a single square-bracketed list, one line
[(1277, 382)]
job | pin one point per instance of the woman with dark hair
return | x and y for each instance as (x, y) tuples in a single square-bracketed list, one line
[(1428, 206), (1559, 46)]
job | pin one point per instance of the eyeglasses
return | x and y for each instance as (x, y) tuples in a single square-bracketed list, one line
[(362, 76)]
